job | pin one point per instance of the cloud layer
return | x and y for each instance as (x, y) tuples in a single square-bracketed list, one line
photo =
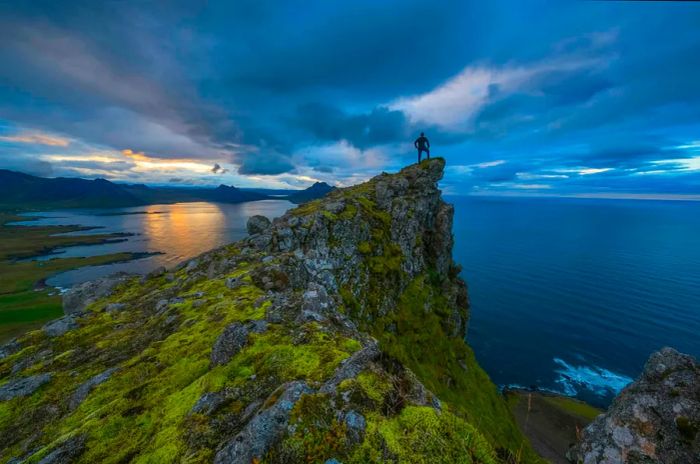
[(588, 98)]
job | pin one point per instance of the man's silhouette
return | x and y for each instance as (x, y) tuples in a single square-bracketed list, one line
[(422, 145)]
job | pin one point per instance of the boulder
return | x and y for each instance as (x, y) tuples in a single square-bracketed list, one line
[(81, 296), (9, 348), (356, 425), (232, 340), (258, 224), (264, 429), (66, 452), (23, 387), (352, 366), (115, 307), (60, 326), (208, 403), (86, 387), (656, 419)]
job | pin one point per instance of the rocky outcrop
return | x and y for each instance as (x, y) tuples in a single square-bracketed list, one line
[(233, 339), (60, 326), (656, 419), (23, 386), (81, 296), (257, 224), (85, 388), (256, 438), (332, 334)]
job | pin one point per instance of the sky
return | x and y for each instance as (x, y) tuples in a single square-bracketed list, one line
[(565, 98)]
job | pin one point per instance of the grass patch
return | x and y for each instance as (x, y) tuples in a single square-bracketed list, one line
[(24, 303), (574, 406)]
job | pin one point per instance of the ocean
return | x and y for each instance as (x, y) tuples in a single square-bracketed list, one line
[(573, 295)]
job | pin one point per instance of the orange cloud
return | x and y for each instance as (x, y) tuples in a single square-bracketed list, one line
[(135, 155), (36, 138), (147, 163)]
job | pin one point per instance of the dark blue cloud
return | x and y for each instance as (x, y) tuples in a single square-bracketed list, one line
[(268, 88)]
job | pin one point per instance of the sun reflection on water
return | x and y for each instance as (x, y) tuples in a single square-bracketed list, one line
[(187, 228)]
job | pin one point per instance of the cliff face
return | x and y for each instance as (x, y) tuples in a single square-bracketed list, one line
[(656, 419), (334, 334)]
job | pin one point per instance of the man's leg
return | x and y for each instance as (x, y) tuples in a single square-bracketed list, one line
[(427, 153), (419, 153)]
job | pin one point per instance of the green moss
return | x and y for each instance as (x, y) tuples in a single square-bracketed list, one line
[(317, 436), (349, 212), (422, 435), (373, 386), (330, 216), (307, 208)]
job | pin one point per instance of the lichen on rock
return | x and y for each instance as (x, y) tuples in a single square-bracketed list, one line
[(655, 419)]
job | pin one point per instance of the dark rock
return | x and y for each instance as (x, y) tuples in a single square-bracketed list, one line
[(258, 326), (271, 277), (258, 224), (60, 326), (86, 387), (23, 387), (31, 360), (115, 307), (192, 265), (356, 425), (261, 241), (233, 283), (656, 419), (334, 207), (163, 305), (316, 299), (81, 296), (208, 403), (352, 366), (9, 348), (154, 274), (66, 452), (232, 340), (263, 430)]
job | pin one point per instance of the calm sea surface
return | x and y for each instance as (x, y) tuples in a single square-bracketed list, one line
[(567, 295), (573, 295)]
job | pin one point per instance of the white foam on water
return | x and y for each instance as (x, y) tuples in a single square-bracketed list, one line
[(597, 380)]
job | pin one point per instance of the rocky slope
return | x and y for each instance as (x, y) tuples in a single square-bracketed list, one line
[(656, 419), (334, 334)]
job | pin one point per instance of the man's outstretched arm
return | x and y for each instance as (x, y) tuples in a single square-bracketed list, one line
[(427, 143)]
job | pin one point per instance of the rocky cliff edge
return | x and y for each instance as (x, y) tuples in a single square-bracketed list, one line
[(334, 334)]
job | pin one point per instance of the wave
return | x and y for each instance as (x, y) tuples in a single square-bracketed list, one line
[(597, 380)]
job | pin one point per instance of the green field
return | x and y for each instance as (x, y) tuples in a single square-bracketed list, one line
[(25, 303), (551, 422)]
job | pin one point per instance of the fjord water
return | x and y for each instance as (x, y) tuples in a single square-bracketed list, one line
[(568, 295), (572, 295), (172, 233)]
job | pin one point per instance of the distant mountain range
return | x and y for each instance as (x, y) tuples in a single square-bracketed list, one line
[(23, 191)]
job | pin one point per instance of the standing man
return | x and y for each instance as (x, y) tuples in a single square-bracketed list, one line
[(422, 145)]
